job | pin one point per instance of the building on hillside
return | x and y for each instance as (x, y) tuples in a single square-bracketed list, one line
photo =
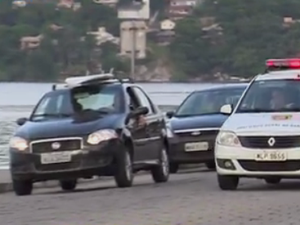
[(178, 9), (111, 3), (102, 36), (66, 3), (30, 42), (167, 25)]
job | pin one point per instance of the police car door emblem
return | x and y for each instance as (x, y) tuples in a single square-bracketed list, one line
[(195, 133), (271, 141), (55, 145)]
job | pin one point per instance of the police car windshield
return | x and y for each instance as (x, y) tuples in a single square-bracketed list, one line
[(208, 102), (104, 99), (271, 96)]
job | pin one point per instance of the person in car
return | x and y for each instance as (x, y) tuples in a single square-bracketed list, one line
[(279, 100)]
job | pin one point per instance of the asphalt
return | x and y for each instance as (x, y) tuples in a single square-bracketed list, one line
[(191, 197)]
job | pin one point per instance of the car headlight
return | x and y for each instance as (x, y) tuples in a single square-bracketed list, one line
[(169, 130), (101, 135), (228, 138), (18, 143)]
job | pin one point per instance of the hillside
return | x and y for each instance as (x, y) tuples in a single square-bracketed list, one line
[(218, 39)]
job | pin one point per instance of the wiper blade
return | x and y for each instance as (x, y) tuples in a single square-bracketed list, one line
[(256, 110), (56, 115)]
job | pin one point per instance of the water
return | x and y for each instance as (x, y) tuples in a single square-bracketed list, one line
[(18, 99)]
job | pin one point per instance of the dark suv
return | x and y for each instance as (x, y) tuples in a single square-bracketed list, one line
[(94, 126)]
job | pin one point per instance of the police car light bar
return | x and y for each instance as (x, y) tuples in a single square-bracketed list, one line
[(283, 64)]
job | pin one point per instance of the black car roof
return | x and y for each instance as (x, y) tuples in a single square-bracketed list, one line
[(224, 87)]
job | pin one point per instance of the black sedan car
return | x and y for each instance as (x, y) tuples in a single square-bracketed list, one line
[(193, 127), (96, 125)]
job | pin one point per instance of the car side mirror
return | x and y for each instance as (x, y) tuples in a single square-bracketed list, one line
[(170, 114), (22, 121), (226, 109), (139, 111)]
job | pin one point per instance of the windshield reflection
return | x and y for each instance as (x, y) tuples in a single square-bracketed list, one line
[(208, 102), (96, 100)]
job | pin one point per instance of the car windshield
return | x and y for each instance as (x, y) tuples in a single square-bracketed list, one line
[(104, 99), (208, 102), (271, 96)]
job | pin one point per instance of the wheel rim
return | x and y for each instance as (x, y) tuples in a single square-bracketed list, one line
[(128, 166), (164, 162)]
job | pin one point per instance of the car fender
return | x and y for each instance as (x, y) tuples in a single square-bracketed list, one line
[(127, 140)]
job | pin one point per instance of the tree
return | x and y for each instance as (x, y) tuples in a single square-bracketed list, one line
[(252, 31)]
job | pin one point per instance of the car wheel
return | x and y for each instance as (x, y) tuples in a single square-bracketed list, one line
[(211, 165), (228, 182), (160, 173), (174, 167), (22, 187), (68, 185), (124, 173), (273, 180)]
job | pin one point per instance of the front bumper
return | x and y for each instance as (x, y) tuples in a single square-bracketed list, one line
[(86, 162), (242, 162), (178, 154)]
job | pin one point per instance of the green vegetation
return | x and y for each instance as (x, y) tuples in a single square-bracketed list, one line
[(249, 32), (252, 31), (63, 51)]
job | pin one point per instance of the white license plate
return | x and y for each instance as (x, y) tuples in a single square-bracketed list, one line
[(56, 157), (271, 156), (196, 146)]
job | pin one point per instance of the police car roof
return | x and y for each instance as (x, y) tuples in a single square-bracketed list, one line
[(279, 75)]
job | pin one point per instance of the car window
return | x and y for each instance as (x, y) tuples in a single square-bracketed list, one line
[(271, 96), (208, 102), (105, 98), (50, 105), (143, 99)]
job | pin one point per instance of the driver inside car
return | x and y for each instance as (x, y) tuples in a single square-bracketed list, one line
[(278, 99)]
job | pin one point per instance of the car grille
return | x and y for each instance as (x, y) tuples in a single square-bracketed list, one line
[(250, 165), (262, 141), (204, 134), (65, 145), (58, 166)]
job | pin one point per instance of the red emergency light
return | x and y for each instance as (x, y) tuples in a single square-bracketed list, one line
[(283, 64)]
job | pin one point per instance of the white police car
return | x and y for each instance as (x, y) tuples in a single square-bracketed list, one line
[(261, 138)]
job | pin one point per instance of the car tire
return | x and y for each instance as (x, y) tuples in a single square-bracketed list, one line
[(211, 165), (161, 172), (124, 171), (68, 185), (173, 167), (22, 187), (228, 182), (273, 180)]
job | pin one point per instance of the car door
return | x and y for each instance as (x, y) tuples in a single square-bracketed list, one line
[(153, 128), (138, 131)]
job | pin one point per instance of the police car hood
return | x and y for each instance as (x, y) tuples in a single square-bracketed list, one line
[(263, 123)]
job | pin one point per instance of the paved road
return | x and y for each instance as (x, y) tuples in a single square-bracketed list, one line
[(188, 199)]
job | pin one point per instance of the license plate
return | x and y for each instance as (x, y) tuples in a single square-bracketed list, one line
[(271, 156), (196, 146), (56, 157)]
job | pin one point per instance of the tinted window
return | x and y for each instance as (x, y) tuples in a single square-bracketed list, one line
[(208, 102), (271, 96), (106, 99), (144, 101)]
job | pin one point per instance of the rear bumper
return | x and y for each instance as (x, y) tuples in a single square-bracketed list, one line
[(87, 162), (178, 154)]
